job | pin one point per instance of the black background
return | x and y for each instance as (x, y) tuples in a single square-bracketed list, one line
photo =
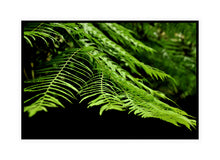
[(78, 122)]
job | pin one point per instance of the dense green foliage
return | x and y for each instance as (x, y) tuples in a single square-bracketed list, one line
[(122, 66)]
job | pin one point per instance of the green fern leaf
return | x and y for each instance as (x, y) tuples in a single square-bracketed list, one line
[(60, 83), (123, 35)]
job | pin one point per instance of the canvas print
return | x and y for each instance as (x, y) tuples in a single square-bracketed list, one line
[(109, 80)]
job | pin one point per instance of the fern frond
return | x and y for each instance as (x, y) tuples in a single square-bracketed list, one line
[(115, 71), (123, 35), (147, 105), (105, 93), (135, 96), (120, 54), (130, 96), (59, 81), (42, 31)]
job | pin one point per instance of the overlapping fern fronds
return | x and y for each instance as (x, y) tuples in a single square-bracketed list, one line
[(123, 35), (58, 81), (176, 54), (101, 72), (127, 96), (104, 91), (122, 55)]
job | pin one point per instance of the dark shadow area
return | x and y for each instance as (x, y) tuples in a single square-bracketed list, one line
[(78, 122)]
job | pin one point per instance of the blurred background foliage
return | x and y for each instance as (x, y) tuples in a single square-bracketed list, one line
[(175, 45)]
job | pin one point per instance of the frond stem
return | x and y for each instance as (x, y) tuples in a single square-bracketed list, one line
[(51, 83)]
